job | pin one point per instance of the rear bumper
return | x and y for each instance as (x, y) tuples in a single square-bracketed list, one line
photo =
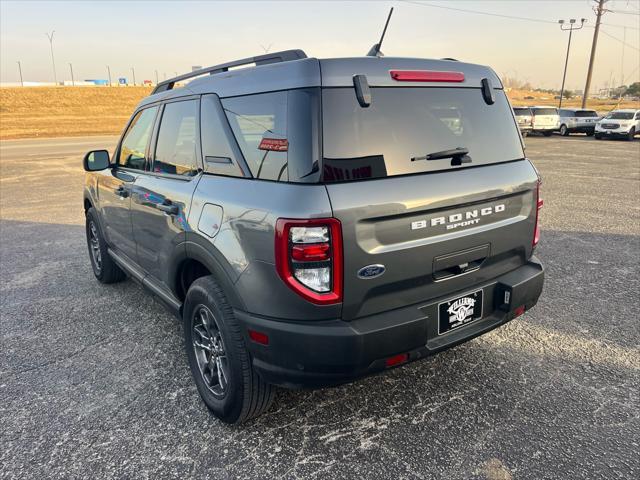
[(323, 353)]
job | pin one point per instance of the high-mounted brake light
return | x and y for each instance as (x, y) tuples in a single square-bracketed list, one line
[(309, 258), (274, 144), (426, 76), (539, 203)]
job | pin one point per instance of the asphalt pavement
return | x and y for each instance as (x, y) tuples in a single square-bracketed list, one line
[(94, 381)]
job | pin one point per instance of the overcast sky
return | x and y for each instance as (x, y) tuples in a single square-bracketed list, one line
[(171, 36)]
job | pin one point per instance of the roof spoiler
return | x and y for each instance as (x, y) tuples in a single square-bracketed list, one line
[(276, 57)]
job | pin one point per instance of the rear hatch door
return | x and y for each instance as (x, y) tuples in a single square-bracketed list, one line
[(417, 231)]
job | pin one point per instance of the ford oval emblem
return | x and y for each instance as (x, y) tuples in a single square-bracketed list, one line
[(371, 271)]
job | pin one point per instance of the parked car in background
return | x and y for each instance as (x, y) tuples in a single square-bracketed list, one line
[(524, 118), (619, 123), (576, 120), (545, 120)]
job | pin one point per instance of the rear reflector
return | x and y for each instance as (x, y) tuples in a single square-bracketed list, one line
[(518, 311), (426, 76), (259, 337), (397, 360), (274, 144)]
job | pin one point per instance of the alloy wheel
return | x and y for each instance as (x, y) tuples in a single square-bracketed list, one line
[(94, 244), (209, 351)]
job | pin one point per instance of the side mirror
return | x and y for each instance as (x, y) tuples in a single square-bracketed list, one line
[(96, 160)]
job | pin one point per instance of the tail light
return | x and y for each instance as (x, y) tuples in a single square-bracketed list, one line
[(539, 203), (309, 258)]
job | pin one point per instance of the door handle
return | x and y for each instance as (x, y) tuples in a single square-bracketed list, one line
[(169, 209), (121, 192)]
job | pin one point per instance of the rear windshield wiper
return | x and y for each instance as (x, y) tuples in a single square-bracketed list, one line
[(458, 156)]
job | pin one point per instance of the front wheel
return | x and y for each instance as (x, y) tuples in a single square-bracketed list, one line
[(564, 131), (631, 134), (597, 136), (104, 267), (218, 357)]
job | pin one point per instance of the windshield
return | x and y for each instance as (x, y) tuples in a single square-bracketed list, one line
[(545, 111), (620, 115), (585, 113), (522, 112), (405, 123)]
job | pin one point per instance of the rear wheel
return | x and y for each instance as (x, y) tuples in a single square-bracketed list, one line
[(525, 134), (631, 133), (589, 134), (104, 267), (218, 357), (564, 131), (597, 136), (547, 133)]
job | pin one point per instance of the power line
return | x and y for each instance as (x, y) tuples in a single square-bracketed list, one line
[(500, 15), (621, 41)]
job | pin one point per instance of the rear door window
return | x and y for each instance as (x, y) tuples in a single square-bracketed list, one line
[(402, 124), (522, 112), (176, 150), (135, 141)]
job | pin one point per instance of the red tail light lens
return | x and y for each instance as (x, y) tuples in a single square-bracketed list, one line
[(426, 76), (539, 203), (309, 258)]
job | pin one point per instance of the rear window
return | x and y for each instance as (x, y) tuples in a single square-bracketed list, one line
[(520, 112), (545, 111), (405, 123), (585, 113)]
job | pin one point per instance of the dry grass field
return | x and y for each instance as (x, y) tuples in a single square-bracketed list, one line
[(66, 111), (76, 111)]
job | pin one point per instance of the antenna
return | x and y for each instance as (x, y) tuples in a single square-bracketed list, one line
[(375, 50)]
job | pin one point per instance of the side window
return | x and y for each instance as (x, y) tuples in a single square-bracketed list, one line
[(259, 123), (134, 143), (176, 151), (218, 153), (637, 115)]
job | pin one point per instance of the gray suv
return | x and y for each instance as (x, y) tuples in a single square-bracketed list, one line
[(315, 221)]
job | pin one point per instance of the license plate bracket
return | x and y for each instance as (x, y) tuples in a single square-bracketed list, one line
[(459, 311)]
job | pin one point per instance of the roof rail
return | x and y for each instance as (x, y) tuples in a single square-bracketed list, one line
[(276, 57)]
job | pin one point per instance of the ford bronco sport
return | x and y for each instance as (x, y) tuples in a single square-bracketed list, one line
[(315, 221)]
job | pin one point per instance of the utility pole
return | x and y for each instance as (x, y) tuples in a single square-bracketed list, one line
[(156, 77), (53, 61), (109, 74), (73, 82), (20, 72), (600, 10), (133, 73), (571, 28)]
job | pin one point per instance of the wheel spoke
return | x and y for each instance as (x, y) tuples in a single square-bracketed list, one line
[(222, 376)]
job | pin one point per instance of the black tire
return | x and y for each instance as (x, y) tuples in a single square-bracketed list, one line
[(589, 134), (564, 131), (597, 136), (104, 267), (237, 393), (631, 134), (547, 133), (525, 134)]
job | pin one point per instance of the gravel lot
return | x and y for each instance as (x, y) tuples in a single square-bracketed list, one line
[(94, 381)]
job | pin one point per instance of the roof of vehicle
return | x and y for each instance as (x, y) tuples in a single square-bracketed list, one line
[(304, 72), (579, 109), (544, 106), (626, 110)]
